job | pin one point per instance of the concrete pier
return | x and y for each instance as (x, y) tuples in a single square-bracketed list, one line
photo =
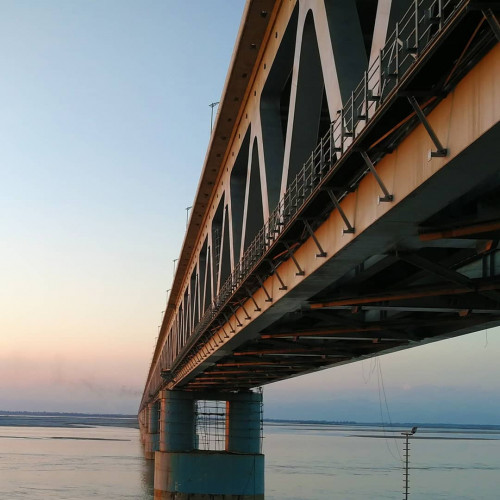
[(152, 432), (183, 471)]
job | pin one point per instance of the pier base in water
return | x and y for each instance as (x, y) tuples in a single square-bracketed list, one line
[(183, 471), (208, 475)]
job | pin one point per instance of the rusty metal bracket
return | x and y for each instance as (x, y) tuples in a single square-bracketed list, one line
[(290, 253), (233, 310), (387, 196), (350, 227), (321, 253), (250, 296), (261, 283), (242, 305), (231, 329), (275, 271), (440, 150)]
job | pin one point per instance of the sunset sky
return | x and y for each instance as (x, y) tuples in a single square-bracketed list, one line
[(104, 124)]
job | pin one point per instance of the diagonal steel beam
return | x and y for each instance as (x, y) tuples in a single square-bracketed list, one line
[(410, 293), (446, 273), (436, 269), (493, 22), (461, 231), (322, 331)]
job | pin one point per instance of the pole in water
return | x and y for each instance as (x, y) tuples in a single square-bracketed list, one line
[(407, 435)]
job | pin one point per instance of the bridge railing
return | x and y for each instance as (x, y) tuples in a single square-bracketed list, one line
[(412, 35)]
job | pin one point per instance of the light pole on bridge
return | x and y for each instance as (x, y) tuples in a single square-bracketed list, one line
[(212, 106)]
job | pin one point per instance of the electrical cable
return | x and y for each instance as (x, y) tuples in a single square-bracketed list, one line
[(380, 381)]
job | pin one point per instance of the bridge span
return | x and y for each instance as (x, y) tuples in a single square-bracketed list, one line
[(349, 205)]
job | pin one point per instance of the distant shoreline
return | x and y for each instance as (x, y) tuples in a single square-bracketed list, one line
[(65, 419), (77, 419), (385, 425), (65, 414)]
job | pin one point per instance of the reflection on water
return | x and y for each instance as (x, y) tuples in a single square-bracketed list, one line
[(318, 462), (147, 479)]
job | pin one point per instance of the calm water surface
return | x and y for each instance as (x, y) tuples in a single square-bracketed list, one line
[(347, 463), (302, 462), (73, 463)]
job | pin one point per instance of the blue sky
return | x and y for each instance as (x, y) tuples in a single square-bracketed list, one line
[(104, 125)]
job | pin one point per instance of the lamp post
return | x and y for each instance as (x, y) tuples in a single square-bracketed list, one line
[(212, 105), (407, 435)]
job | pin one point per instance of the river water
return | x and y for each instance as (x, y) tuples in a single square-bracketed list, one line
[(303, 461)]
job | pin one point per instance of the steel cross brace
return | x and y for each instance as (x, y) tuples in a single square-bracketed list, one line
[(261, 283), (387, 196), (321, 253), (233, 310), (275, 271), (220, 326), (350, 228), (231, 329), (440, 150), (290, 253), (448, 274), (250, 296), (492, 21), (242, 305), (226, 336)]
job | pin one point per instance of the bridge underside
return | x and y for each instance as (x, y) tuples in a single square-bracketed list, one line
[(438, 278), (423, 267)]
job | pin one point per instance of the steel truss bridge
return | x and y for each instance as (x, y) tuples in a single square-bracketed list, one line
[(349, 203)]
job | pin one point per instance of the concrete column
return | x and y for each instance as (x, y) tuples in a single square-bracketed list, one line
[(184, 473), (151, 434), (243, 423), (142, 418), (153, 420), (177, 425)]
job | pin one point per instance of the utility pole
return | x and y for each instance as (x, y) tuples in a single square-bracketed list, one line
[(407, 435)]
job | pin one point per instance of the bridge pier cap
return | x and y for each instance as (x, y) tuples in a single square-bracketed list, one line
[(184, 471)]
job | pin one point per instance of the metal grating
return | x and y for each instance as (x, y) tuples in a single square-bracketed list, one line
[(210, 421), (210, 424)]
